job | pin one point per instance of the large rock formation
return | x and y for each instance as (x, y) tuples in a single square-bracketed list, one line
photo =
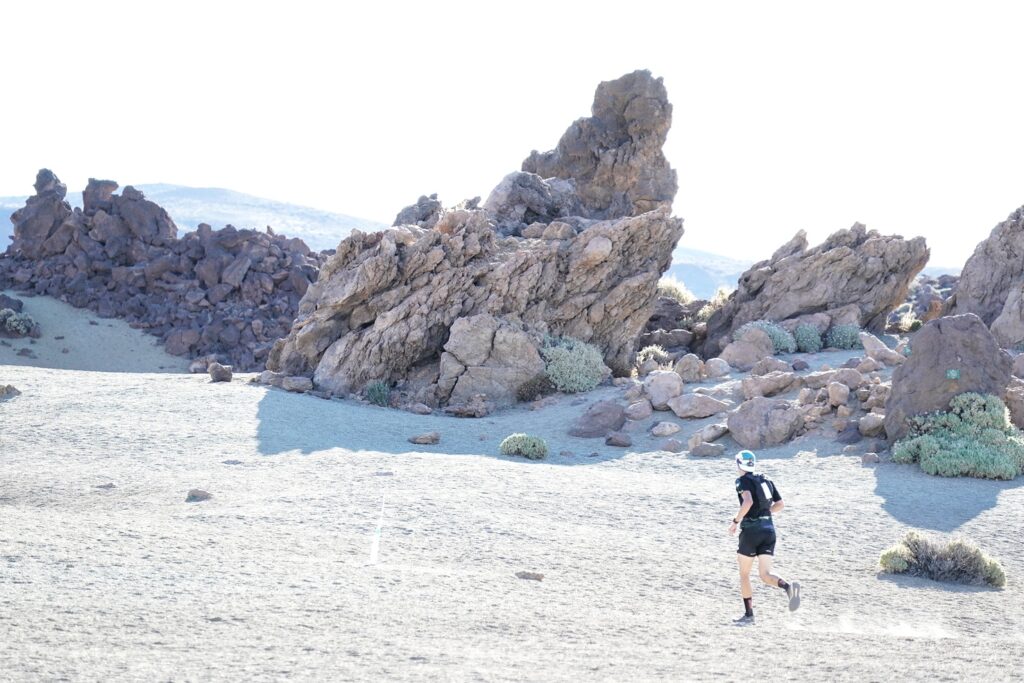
[(854, 277), (992, 281), (228, 292), (949, 356), (458, 308), (614, 158)]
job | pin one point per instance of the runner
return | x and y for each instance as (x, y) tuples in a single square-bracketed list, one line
[(758, 500)]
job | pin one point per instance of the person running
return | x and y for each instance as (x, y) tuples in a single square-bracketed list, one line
[(758, 500)]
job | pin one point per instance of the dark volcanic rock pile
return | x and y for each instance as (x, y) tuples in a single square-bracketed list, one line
[(229, 293)]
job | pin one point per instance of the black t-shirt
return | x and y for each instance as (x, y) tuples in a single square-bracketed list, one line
[(762, 492)]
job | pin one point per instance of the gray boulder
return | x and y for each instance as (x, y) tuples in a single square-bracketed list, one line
[(950, 356), (762, 422), (600, 420)]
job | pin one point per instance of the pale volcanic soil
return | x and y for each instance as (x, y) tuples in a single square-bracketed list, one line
[(282, 574)]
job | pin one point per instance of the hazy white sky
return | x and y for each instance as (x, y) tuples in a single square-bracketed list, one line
[(907, 117)]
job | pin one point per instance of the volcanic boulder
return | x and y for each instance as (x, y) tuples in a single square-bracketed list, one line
[(855, 276)]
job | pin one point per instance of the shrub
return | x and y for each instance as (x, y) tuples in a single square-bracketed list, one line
[(17, 324), (958, 560), (808, 339), (571, 365), (653, 352), (532, 389), (530, 447), (714, 305), (378, 392), (843, 337), (974, 438), (782, 341), (674, 289), (908, 322)]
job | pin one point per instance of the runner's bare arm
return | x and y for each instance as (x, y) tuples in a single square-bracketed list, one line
[(748, 502)]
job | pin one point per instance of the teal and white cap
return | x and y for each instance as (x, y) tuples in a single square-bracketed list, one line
[(746, 461)]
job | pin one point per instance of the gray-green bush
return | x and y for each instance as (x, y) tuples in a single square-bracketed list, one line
[(714, 305), (974, 438), (782, 341), (16, 324), (843, 337), (653, 352), (571, 365), (379, 393), (530, 447), (535, 388), (808, 339), (674, 289), (957, 560)]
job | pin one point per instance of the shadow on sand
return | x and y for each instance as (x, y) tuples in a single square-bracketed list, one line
[(293, 422), (937, 503)]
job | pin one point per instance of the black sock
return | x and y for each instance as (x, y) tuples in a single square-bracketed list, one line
[(782, 584), (748, 607)]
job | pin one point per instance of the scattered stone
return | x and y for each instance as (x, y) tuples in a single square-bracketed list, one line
[(661, 387), (107, 486), (1018, 365), (709, 433), (197, 496), (639, 410), (231, 462), (851, 434), (690, 368), (476, 406), (26, 353), (770, 364), (876, 349), (844, 411), (869, 365), (747, 349), (530, 576), (771, 384), (716, 367), (427, 439), (762, 422), (419, 409), (618, 439), (871, 424), (7, 391), (199, 365), (665, 429), (697, 406), (13, 304), (800, 365), (601, 419), (838, 394), (297, 384), (672, 446), (219, 373), (870, 459), (705, 449)]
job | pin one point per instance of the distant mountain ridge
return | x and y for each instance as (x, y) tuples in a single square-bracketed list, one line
[(701, 271)]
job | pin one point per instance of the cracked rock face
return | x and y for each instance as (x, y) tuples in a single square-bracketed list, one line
[(855, 277), (991, 285), (455, 304)]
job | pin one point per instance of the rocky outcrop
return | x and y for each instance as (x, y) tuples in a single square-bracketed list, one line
[(927, 299), (425, 212), (950, 356), (418, 307), (763, 422), (614, 158), (229, 293), (854, 277), (992, 281)]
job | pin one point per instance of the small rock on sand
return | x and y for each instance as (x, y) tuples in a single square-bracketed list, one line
[(665, 429), (219, 373), (672, 446), (530, 576), (427, 439), (197, 496), (618, 439), (8, 391), (108, 485)]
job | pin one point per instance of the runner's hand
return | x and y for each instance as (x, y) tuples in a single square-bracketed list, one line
[(732, 528)]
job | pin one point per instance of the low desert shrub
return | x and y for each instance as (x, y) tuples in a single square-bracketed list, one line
[(957, 560), (653, 352), (843, 337), (535, 388), (379, 393), (714, 305), (573, 366), (530, 447), (673, 288), (908, 322), (782, 341), (974, 438), (808, 339), (16, 324)]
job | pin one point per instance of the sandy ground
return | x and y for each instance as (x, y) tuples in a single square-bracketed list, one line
[(282, 575), (76, 338)]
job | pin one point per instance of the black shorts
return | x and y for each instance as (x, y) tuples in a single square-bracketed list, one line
[(757, 539)]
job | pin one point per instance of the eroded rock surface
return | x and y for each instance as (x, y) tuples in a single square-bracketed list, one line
[(854, 277)]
